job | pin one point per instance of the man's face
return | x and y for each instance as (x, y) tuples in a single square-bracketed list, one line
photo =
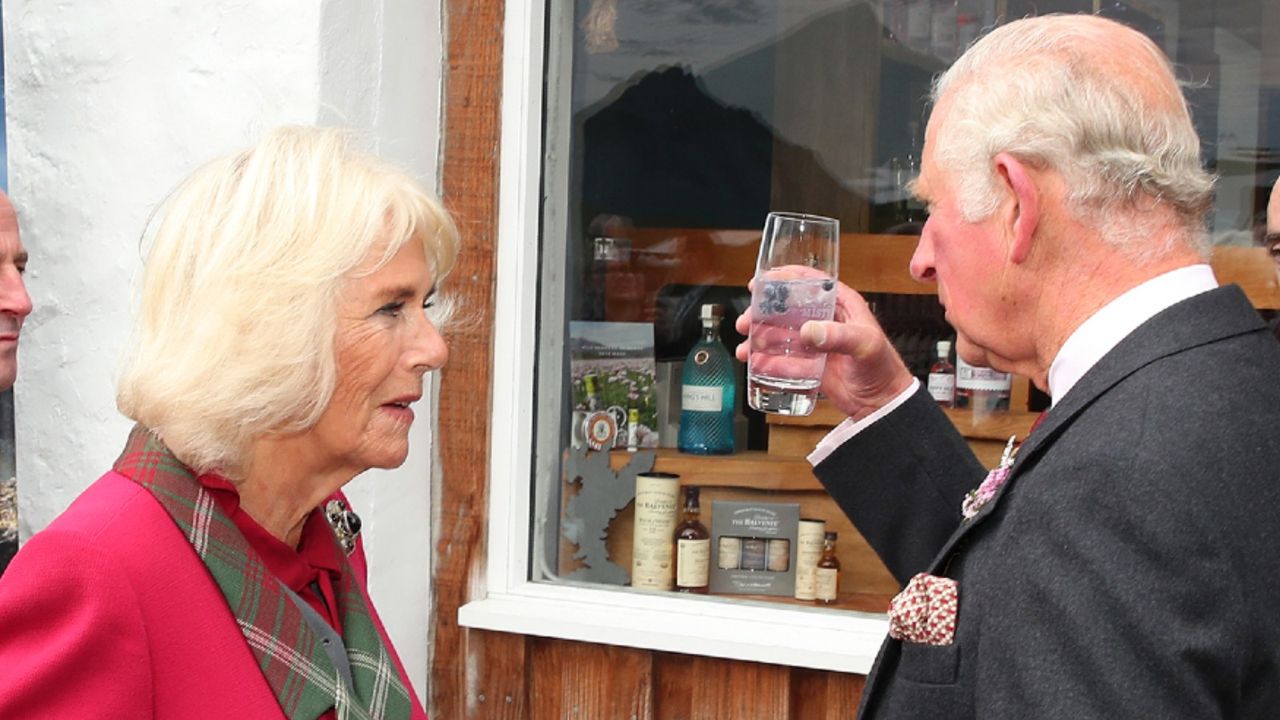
[(966, 260), (1273, 225), (15, 304)]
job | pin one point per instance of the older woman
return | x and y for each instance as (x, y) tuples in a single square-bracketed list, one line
[(284, 327)]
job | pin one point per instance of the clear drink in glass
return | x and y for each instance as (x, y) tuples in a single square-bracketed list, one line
[(795, 282)]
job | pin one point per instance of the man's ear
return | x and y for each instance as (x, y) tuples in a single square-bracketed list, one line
[(1023, 215)]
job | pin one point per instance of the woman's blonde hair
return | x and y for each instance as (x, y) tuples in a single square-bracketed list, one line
[(237, 311)]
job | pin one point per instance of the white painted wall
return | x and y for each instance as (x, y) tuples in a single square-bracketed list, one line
[(109, 104)]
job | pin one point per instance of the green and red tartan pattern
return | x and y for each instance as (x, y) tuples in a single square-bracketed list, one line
[(288, 651)]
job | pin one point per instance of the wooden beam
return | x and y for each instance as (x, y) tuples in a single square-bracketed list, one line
[(473, 674)]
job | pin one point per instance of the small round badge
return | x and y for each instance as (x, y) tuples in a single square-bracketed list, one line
[(601, 430)]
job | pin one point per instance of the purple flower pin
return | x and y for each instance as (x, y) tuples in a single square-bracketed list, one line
[(976, 499)]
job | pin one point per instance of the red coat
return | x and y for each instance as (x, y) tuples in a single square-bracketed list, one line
[(109, 613)]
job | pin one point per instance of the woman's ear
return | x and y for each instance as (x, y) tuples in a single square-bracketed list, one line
[(1023, 216)]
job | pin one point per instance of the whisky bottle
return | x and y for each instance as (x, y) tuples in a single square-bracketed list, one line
[(980, 389), (652, 564), (809, 537), (828, 573), (942, 376), (693, 547), (708, 392)]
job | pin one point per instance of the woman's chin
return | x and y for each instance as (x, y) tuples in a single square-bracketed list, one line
[(388, 455)]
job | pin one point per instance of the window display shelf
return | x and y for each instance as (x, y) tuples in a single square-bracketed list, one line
[(752, 469), (867, 602), (975, 426)]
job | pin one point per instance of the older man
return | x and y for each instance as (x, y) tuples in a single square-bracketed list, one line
[(1124, 562), (15, 304)]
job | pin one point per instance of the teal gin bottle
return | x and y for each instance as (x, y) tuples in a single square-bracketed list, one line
[(708, 392)]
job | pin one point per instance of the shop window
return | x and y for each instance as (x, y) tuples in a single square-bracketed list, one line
[(644, 144)]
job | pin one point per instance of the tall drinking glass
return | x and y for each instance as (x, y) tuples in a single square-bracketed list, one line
[(794, 283)]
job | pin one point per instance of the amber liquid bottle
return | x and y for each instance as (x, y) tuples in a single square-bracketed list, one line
[(693, 547), (828, 574)]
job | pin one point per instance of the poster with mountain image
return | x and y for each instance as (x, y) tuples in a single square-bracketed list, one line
[(612, 369)]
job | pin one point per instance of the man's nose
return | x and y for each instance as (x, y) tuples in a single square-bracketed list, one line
[(922, 259), (14, 299)]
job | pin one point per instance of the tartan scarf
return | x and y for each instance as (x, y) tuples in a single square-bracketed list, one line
[(289, 653)]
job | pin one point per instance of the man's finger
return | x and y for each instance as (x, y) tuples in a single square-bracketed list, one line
[(835, 337)]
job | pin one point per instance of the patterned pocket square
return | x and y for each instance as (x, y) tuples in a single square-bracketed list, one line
[(925, 611)]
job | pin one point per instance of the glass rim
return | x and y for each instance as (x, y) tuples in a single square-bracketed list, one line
[(809, 217)]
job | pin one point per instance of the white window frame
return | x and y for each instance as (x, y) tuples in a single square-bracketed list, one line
[(784, 634)]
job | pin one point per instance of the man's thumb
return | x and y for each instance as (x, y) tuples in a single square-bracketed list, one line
[(815, 333)]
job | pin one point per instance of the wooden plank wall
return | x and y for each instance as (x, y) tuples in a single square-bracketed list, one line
[(473, 675), (478, 675)]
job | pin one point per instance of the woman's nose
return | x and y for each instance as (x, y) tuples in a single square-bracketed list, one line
[(430, 351)]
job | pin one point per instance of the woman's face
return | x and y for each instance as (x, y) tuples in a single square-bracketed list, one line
[(385, 344)]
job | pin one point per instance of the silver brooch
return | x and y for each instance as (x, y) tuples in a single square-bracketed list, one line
[(345, 524)]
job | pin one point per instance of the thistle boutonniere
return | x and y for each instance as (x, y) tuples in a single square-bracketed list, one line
[(976, 499)]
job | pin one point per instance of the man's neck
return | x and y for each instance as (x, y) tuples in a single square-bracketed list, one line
[(1083, 288)]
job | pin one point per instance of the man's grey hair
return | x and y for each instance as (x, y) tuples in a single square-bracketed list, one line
[(1056, 92)]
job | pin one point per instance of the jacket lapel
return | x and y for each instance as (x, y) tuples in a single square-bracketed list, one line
[(1205, 318), (1199, 320)]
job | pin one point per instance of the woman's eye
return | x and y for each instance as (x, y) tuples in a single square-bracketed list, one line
[(438, 309), (392, 309)]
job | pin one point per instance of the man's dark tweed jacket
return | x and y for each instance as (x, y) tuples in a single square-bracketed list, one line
[(1129, 568)]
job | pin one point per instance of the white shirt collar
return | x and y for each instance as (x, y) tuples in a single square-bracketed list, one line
[(1106, 328)]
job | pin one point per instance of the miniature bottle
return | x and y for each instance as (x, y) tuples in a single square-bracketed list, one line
[(942, 376), (693, 547), (708, 392), (633, 430), (828, 574)]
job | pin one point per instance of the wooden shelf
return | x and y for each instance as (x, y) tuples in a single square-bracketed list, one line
[(869, 262), (753, 469), (988, 426)]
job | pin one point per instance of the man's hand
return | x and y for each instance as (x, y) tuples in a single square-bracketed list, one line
[(863, 371)]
